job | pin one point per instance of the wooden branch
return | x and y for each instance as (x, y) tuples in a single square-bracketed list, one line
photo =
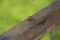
[(26, 31)]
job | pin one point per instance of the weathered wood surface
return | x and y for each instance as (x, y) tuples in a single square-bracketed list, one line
[(26, 31)]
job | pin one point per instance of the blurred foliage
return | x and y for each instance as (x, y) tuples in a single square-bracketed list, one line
[(46, 37), (57, 32), (13, 12)]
